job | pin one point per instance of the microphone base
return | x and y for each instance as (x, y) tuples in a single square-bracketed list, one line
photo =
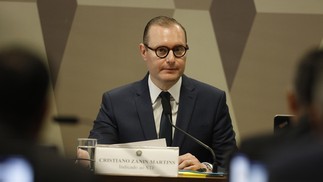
[(215, 168), (218, 169)]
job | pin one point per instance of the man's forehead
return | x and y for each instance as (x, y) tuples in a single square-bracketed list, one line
[(165, 30), (156, 27)]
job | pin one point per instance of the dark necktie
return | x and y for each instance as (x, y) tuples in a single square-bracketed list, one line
[(165, 130)]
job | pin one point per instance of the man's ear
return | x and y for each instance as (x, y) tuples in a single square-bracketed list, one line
[(292, 102), (143, 51)]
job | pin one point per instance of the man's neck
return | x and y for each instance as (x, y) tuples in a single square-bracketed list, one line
[(164, 85)]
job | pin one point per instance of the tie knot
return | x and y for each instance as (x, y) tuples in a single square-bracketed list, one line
[(165, 95), (165, 100)]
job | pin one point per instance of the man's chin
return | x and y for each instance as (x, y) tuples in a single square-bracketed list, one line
[(170, 77)]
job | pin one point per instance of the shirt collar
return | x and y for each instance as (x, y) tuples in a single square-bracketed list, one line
[(155, 91)]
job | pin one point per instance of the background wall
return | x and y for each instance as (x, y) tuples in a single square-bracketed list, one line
[(248, 49)]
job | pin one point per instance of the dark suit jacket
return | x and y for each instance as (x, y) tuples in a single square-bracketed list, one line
[(263, 147), (301, 162), (293, 155), (126, 115)]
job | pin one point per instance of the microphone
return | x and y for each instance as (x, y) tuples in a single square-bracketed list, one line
[(66, 119), (167, 111), (70, 119)]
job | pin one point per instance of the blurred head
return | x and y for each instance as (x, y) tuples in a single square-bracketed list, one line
[(24, 81), (163, 34), (307, 96)]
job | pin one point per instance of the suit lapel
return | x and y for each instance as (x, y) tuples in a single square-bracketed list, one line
[(144, 109), (185, 110)]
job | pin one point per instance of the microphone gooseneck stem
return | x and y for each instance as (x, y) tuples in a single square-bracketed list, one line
[(66, 119), (215, 166)]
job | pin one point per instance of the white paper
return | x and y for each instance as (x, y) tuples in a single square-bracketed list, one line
[(146, 143)]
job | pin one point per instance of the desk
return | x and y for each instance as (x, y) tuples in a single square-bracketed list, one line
[(116, 178)]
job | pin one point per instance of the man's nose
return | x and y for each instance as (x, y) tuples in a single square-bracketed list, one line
[(170, 58)]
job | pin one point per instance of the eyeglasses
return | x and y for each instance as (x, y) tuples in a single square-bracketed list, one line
[(162, 51)]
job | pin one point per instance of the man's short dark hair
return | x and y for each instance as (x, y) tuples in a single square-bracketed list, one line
[(163, 21), (308, 75)]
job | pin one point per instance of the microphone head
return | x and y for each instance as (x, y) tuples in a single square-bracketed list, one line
[(215, 167)]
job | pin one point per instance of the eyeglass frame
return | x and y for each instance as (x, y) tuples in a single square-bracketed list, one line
[(168, 49)]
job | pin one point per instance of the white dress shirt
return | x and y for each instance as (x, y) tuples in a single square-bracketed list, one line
[(156, 101)]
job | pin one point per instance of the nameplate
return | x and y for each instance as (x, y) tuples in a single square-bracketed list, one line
[(140, 161)]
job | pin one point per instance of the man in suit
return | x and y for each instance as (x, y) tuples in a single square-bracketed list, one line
[(302, 158), (296, 154), (133, 112), (24, 82)]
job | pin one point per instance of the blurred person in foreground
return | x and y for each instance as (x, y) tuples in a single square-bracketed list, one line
[(24, 82), (133, 112), (297, 154)]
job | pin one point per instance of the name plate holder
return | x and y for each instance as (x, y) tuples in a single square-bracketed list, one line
[(136, 160)]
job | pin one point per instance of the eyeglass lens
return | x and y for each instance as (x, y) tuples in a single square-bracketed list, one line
[(178, 51)]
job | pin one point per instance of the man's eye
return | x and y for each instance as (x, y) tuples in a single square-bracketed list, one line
[(162, 50)]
